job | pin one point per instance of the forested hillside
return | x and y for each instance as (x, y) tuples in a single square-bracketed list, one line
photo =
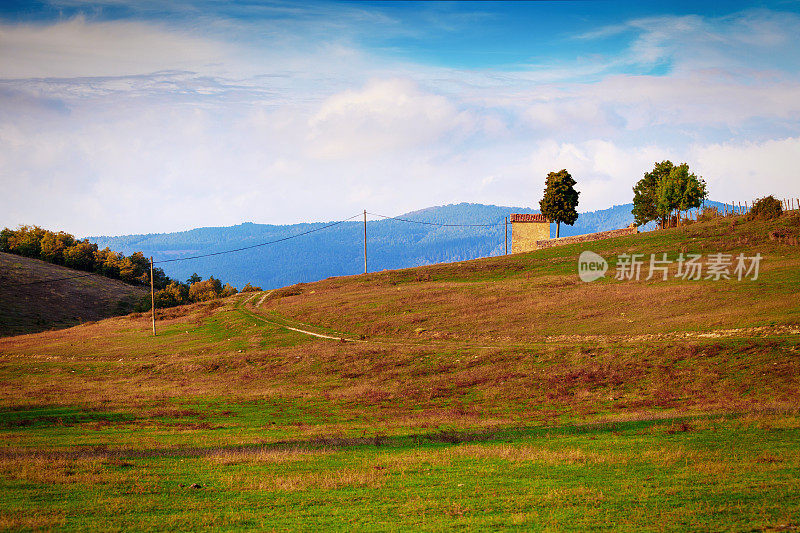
[(338, 250)]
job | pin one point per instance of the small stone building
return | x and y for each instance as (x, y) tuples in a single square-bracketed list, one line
[(526, 229)]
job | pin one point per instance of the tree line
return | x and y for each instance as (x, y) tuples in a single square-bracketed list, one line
[(61, 248)]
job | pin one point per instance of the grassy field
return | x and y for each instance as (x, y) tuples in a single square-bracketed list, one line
[(492, 394)]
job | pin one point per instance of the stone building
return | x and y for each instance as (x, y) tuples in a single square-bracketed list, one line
[(526, 230), (532, 232)]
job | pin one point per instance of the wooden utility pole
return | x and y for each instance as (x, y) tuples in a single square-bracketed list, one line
[(152, 297), (365, 241), (506, 235)]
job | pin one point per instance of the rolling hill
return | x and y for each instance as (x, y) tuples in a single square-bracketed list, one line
[(27, 306), (495, 393)]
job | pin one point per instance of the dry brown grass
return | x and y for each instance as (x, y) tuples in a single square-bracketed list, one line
[(56, 470), (425, 303), (433, 380), (322, 480), (30, 520), (263, 456), (414, 386), (409, 461), (33, 308)]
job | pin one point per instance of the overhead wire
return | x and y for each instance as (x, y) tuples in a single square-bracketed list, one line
[(437, 223), (313, 230), (258, 245)]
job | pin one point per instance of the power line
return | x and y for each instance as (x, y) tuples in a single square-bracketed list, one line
[(437, 223), (257, 245), (194, 256), (270, 242)]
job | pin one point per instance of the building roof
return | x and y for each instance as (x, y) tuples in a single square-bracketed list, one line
[(529, 217)]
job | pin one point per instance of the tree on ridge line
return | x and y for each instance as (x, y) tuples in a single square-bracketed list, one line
[(560, 199)]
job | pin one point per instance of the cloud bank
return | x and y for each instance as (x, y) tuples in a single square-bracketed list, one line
[(125, 126)]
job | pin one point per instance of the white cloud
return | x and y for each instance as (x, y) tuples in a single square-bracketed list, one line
[(755, 37), (739, 171), (605, 172), (385, 115), (698, 98), (77, 48)]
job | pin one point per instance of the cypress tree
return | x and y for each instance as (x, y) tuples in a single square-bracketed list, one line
[(560, 199)]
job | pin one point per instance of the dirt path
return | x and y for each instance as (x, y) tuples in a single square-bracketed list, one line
[(301, 328), (308, 329)]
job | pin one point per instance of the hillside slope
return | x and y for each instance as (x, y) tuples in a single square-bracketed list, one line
[(465, 392), (37, 307), (534, 296), (482, 331)]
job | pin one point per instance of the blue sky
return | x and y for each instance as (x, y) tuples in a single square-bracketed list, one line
[(147, 116)]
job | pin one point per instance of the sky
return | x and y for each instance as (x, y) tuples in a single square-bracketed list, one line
[(125, 116)]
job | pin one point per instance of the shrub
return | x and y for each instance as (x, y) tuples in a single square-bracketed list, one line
[(709, 213), (250, 288), (766, 208), (173, 294), (26, 241), (228, 290), (203, 291), (143, 304)]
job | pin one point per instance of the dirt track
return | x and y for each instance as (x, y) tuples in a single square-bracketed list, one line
[(308, 329)]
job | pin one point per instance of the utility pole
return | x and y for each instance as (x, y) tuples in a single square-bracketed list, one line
[(506, 236), (152, 297), (365, 241)]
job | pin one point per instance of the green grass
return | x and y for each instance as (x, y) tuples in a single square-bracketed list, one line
[(673, 475)]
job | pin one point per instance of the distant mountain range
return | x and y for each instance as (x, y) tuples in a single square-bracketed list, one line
[(338, 250)]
